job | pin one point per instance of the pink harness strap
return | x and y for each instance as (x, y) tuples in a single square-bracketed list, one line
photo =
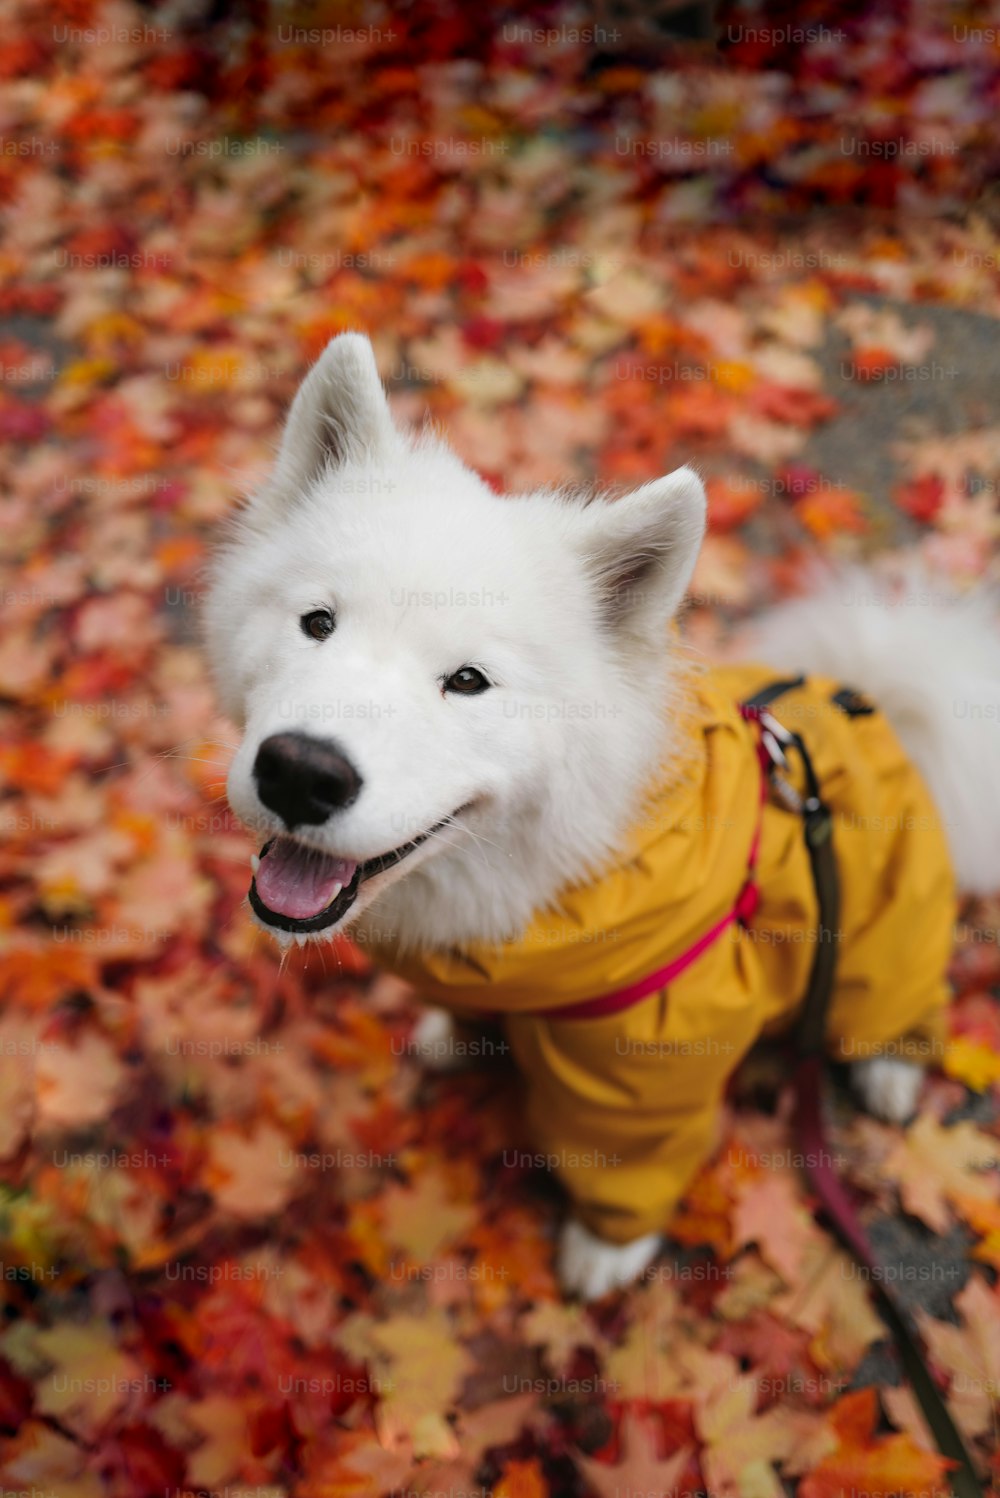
[(743, 909)]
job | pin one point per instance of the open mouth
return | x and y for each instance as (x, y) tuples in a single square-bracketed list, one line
[(299, 889)]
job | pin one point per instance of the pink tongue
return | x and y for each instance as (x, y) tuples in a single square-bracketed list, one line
[(298, 882)]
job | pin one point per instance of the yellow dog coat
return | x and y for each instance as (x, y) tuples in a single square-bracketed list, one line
[(625, 1107)]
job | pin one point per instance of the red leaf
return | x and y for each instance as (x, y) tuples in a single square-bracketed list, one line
[(871, 363), (16, 1399), (21, 423), (272, 1429), (483, 332), (922, 497), (142, 1456)]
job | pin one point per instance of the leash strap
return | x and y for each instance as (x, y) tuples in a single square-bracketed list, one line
[(810, 1043), (773, 743)]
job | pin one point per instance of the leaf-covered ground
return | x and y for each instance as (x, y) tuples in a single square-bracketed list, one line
[(247, 1243)]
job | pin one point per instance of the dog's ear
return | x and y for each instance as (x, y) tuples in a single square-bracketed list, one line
[(641, 550), (339, 413)]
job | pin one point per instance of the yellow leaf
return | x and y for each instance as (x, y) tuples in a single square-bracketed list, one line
[(223, 1423), (638, 1368), (972, 1063), (92, 1379), (423, 1219), (933, 1166), (733, 375), (420, 1370), (971, 1354), (834, 1305), (88, 372), (559, 1329)]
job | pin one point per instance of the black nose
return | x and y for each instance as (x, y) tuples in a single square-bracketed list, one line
[(303, 779)]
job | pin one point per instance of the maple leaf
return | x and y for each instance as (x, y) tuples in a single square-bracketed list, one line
[(17, 1042), (868, 364), (513, 1256), (423, 1218), (418, 1371), (522, 1480), (357, 1466), (743, 1449), (222, 1423), (921, 497), (777, 1356), (829, 513), (16, 1399), (862, 1462), (249, 1173), (138, 1457), (704, 1216), (92, 1380), (831, 1301), (560, 1331), (497, 1424), (750, 1287), (933, 1165), (971, 1062), (769, 1213), (79, 1084), (43, 1457), (642, 1469), (971, 1354), (730, 504)]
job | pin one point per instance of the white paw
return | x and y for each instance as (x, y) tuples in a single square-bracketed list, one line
[(888, 1087), (590, 1266), (433, 1042)]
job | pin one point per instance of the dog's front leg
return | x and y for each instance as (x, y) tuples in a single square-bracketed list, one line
[(625, 1121), (590, 1266), (434, 1042)]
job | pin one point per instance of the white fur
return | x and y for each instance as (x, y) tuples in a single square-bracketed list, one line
[(930, 659), (589, 1266), (565, 604), (433, 1040), (427, 571), (888, 1086)]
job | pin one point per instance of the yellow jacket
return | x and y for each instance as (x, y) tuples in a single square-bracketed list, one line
[(625, 1108)]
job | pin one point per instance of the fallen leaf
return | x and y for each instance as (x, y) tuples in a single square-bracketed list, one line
[(863, 1462), (641, 1470), (971, 1355), (932, 1165)]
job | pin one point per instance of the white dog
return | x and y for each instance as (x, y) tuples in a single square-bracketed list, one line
[(403, 649)]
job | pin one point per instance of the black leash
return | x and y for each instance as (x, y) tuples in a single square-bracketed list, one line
[(810, 1040)]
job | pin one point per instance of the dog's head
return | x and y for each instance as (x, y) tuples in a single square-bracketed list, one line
[(450, 701)]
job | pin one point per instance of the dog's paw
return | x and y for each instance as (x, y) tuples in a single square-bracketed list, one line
[(433, 1042), (888, 1087), (590, 1266)]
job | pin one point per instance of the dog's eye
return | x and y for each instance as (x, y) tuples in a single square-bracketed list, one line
[(468, 681), (318, 625)]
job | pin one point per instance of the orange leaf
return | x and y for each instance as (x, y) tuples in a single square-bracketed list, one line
[(830, 513), (39, 978), (705, 1216), (872, 363), (522, 1480), (642, 1469), (863, 1462), (729, 503)]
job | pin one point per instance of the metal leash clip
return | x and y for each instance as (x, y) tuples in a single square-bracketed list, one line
[(776, 738)]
